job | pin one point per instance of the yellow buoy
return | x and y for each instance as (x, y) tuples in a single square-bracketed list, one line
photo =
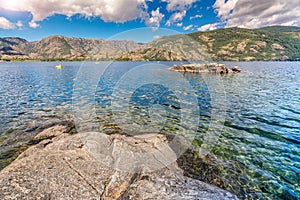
[(59, 66)]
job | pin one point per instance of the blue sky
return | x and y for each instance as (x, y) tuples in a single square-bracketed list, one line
[(37, 19)]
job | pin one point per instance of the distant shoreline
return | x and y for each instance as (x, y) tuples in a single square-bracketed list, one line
[(117, 60)]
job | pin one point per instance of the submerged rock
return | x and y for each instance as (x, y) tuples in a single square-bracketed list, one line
[(61, 167), (205, 68), (236, 69)]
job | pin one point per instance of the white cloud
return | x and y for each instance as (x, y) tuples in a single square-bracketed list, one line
[(242, 13), (155, 18), (19, 24), (180, 5), (33, 24), (186, 28), (209, 27), (196, 17), (176, 17), (6, 24), (258, 13), (224, 8), (109, 10), (179, 24)]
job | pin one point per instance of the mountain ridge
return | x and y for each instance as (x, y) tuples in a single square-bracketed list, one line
[(230, 44), (59, 47)]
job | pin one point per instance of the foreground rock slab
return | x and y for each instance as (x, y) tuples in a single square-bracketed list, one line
[(60, 167), (205, 68)]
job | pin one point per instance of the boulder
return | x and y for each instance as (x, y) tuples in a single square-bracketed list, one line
[(236, 69), (214, 68), (61, 167)]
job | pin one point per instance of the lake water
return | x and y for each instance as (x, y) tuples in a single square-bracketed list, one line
[(260, 112)]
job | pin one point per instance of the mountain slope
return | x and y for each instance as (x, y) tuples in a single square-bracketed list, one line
[(172, 48), (9, 45), (65, 48), (233, 44), (246, 44), (282, 29)]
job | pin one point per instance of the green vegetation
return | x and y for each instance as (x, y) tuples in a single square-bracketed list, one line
[(232, 44), (278, 29), (246, 44), (10, 155)]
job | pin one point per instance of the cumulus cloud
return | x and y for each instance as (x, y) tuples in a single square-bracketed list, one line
[(19, 24), (179, 24), (155, 18), (33, 24), (209, 27), (108, 10), (6, 24), (186, 28), (196, 17), (180, 5), (176, 17), (257, 13), (231, 13), (224, 8)]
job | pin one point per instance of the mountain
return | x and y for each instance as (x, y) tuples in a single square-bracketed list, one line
[(64, 48), (8, 46), (232, 44), (283, 29), (247, 44)]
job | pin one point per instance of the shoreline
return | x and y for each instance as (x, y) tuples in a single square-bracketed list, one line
[(116, 60)]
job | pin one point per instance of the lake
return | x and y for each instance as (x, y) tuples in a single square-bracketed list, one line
[(258, 112)]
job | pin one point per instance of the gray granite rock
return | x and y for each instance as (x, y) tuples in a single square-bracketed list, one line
[(61, 167), (214, 68)]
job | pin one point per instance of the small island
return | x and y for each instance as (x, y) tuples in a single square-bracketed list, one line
[(205, 68)]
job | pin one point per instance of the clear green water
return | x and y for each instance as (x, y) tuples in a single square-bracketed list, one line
[(260, 137)]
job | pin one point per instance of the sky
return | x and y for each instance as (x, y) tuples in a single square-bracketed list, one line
[(37, 19)]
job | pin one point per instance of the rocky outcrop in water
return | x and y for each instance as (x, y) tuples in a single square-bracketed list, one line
[(60, 167), (205, 68)]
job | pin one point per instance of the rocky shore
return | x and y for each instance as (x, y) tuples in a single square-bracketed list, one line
[(60, 167), (205, 68)]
